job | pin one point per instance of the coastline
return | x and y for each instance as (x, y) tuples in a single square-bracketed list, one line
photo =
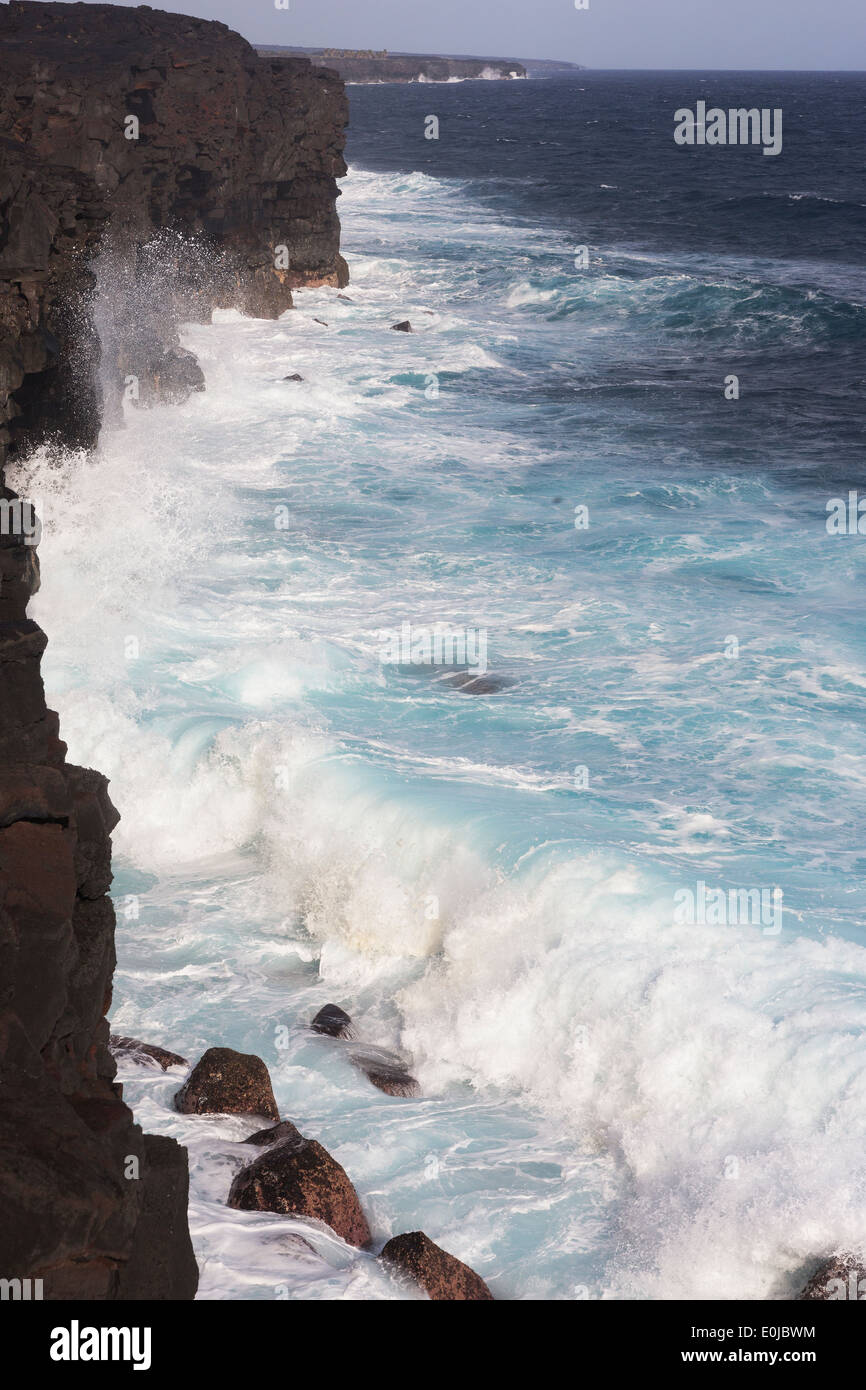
[(101, 1209), (540, 1066)]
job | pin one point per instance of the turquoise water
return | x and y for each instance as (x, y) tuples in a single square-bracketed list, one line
[(615, 1102)]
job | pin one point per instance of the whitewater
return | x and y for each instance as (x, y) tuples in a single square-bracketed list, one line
[(614, 1103)]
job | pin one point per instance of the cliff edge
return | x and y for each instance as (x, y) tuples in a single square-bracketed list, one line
[(117, 126)]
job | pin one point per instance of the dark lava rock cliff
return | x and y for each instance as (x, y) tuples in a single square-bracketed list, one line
[(409, 67), (233, 158)]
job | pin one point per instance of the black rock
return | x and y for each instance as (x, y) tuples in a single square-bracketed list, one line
[(403, 327), (296, 376), (333, 1021)]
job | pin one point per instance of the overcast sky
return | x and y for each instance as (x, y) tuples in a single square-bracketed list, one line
[(610, 34)]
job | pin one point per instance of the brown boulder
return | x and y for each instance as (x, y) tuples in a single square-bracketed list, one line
[(839, 1279), (302, 1180), (442, 1275), (225, 1082)]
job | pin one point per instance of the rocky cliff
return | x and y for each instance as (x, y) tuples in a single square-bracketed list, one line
[(120, 130), (406, 67)]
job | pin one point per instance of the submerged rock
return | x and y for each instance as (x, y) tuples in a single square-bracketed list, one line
[(386, 1070), (295, 376), (488, 684), (333, 1021), (302, 1179), (225, 1082), (145, 1053), (403, 327), (321, 321), (841, 1278), (443, 1276), (283, 1133)]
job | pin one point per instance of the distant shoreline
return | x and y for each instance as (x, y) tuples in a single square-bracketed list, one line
[(368, 66)]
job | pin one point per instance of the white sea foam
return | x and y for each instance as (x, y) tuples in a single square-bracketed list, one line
[(611, 1099)]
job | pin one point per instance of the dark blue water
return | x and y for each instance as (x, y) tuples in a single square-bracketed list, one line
[(593, 155)]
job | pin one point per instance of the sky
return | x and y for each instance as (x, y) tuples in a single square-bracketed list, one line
[(739, 34)]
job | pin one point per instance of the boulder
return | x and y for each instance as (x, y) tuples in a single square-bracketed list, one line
[(302, 1180), (145, 1053), (225, 1082), (283, 1133), (841, 1278), (468, 684), (394, 1083), (333, 1021), (404, 326), (385, 1070), (443, 1276)]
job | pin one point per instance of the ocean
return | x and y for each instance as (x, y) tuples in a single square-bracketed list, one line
[(608, 899)]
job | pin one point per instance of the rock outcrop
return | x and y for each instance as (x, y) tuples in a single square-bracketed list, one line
[(385, 1069), (167, 147), (443, 1276), (225, 1082), (408, 67), (121, 125), (842, 1278), (299, 1178), (144, 1053), (333, 1021)]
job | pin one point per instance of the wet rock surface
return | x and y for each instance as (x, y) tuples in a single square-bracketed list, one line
[(144, 1053), (225, 1082), (283, 1133), (841, 1278), (443, 1276), (333, 1021), (302, 1179), (386, 1070), (233, 161)]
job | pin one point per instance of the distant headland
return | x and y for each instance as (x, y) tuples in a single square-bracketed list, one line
[(378, 65)]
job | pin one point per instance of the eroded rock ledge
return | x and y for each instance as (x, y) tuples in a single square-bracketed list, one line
[(240, 154)]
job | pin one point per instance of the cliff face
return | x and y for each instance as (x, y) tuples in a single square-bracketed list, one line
[(240, 153), (399, 67)]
